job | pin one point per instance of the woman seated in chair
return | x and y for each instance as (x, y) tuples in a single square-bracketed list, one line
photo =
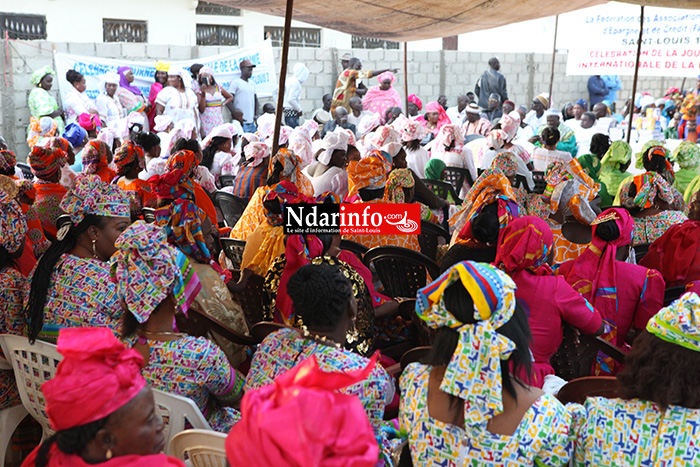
[(100, 407), (70, 286), (188, 228), (523, 251), (46, 164), (649, 199), (129, 159), (466, 405), (328, 174), (155, 280), (676, 254), (449, 147), (626, 295), (323, 298), (654, 158), (658, 413)]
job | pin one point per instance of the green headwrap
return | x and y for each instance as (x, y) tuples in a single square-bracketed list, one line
[(619, 153), (434, 168), (40, 73), (638, 162)]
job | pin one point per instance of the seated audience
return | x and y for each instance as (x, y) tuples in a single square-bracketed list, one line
[(613, 170), (46, 166), (548, 153), (328, 174)]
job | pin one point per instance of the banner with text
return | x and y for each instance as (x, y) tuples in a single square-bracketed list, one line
[(608, 36), (225, 68)]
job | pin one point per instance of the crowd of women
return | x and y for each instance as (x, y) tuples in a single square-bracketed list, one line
[(81, 266)]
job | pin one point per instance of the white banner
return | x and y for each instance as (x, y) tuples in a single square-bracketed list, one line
[(225, 68), (608, 36)]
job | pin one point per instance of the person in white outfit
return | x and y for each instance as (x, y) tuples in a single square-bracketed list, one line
[(292, 95), (77, 101), (107, 104)]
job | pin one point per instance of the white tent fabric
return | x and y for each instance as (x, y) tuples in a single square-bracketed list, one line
[(409, 20)]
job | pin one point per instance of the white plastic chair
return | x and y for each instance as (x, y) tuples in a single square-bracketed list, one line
[(176, 411), (33, 364), (10, 418), (203, 447)]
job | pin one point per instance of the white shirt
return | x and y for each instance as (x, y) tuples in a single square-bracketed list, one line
[(456, 116), (352, 119), (541, 158), (417, 159), (77, 103), (535, 122), (463, 160), (178, 105), (583, 138), (244, 98), (292, 95), (109, 109), (334, 179)]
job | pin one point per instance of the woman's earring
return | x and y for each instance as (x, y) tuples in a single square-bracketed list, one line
[(108, 454), (94, 251)]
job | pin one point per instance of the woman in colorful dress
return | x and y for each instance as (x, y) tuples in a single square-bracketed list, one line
[(40, 102), (211, 98), (613, 170), (656, 160), (97, 156), (46, 166), (523, 250), (129, 160), (177, 100), (382, 97), (107, 419), (160, 80), (156, 280), (71, 286), (77, 102), (466, 405), (649, 199), (130, 96), (323, 297), (657, 417), (625, 294)]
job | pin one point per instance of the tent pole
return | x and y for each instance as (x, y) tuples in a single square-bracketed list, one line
[(283, 75), (554, 57), (636, 75), (405, 76)]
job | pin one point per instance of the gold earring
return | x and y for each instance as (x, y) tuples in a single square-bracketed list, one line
[(108, 454), (94, 251)]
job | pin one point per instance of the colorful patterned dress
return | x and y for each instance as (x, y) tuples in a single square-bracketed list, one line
[(81, 294), (648, 229), (47, 204), (565, 250), (544, 436), (195, 367), (284, 349), (13, 295), (211, 117), (619, 432)]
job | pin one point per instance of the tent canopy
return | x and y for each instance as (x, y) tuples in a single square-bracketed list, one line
[(409, 20)]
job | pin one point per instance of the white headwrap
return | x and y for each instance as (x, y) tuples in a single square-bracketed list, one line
[(176, 70), (256, 151), (333, 141), (162, 122), (220, 131), (108, 78)]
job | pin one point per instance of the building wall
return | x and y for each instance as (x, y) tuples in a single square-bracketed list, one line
[(430, 74)]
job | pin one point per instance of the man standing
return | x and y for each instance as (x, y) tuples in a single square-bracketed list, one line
[(614, 84), (475, 125), (597, 89), (244, 96), (459, 113), (347, 82), (491, 82), (292, 94)]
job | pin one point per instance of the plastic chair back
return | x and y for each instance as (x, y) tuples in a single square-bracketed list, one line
[(590, 386), (33, 364), (251, 298), (441, 189), (456, 176), (234, 250), (203, 448), (231, 206), (402, 271), (540, 182), (640, 251), (10, 418), (177, 413), (431, 236), (26, 170), (226, 180)]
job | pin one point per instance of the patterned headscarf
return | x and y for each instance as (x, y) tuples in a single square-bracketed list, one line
[(398, 180), (286, 192), (412, 130), (369, 172), (300, 144), (650, 187), (58, 142), (368, 123), (524, 246), (639, 157), (510, 126), (413, 99), (382, 136), (89, 121), (474, 372), (95, 156), (173, 185), (8, 161), (256, 152), (678, 323), (311, 126), (46, 162), (184, 160), (687, 155), (147, 269), (39, 74), (182, 221), (568, 184), (496, 139), (40, 128), (126, 155), (13, 224), (619, 153), (447, 135), (291, 170), (93, 196)]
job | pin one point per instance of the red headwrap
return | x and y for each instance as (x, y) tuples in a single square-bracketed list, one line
[(89, 121), (126, 155), (45, 162), (302, 419), (413, 99), (184, 160), (525, 244), (97, 376)]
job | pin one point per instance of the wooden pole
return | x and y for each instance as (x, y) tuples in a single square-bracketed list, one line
[(636, 75), (405, 77), (283, 75), (554, 57)]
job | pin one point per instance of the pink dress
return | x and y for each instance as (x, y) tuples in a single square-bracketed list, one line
[(211, 117)]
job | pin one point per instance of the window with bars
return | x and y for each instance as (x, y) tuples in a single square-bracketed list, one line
[(121, 30), (372, 43), (217, 34), (299, 37), (23, 27), (206, 8)]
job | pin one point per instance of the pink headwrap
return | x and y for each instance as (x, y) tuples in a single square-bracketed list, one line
[(412, 130), (413, 99), (311, 126), (447, 135), (300, 144), (387, 75), (302, 419), (383, 136), (496, 139), (443, 119), (369, 123), (89, 121), (510, 126), (257, 152), (97, 376)]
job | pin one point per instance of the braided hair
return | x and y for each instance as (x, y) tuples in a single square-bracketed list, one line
[(320, 294), (70, 441)]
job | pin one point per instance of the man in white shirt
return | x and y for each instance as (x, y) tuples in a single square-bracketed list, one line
[(584, 131), (535, 118), (244, 96), (459, 113), (292, 94), (357, 112)]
